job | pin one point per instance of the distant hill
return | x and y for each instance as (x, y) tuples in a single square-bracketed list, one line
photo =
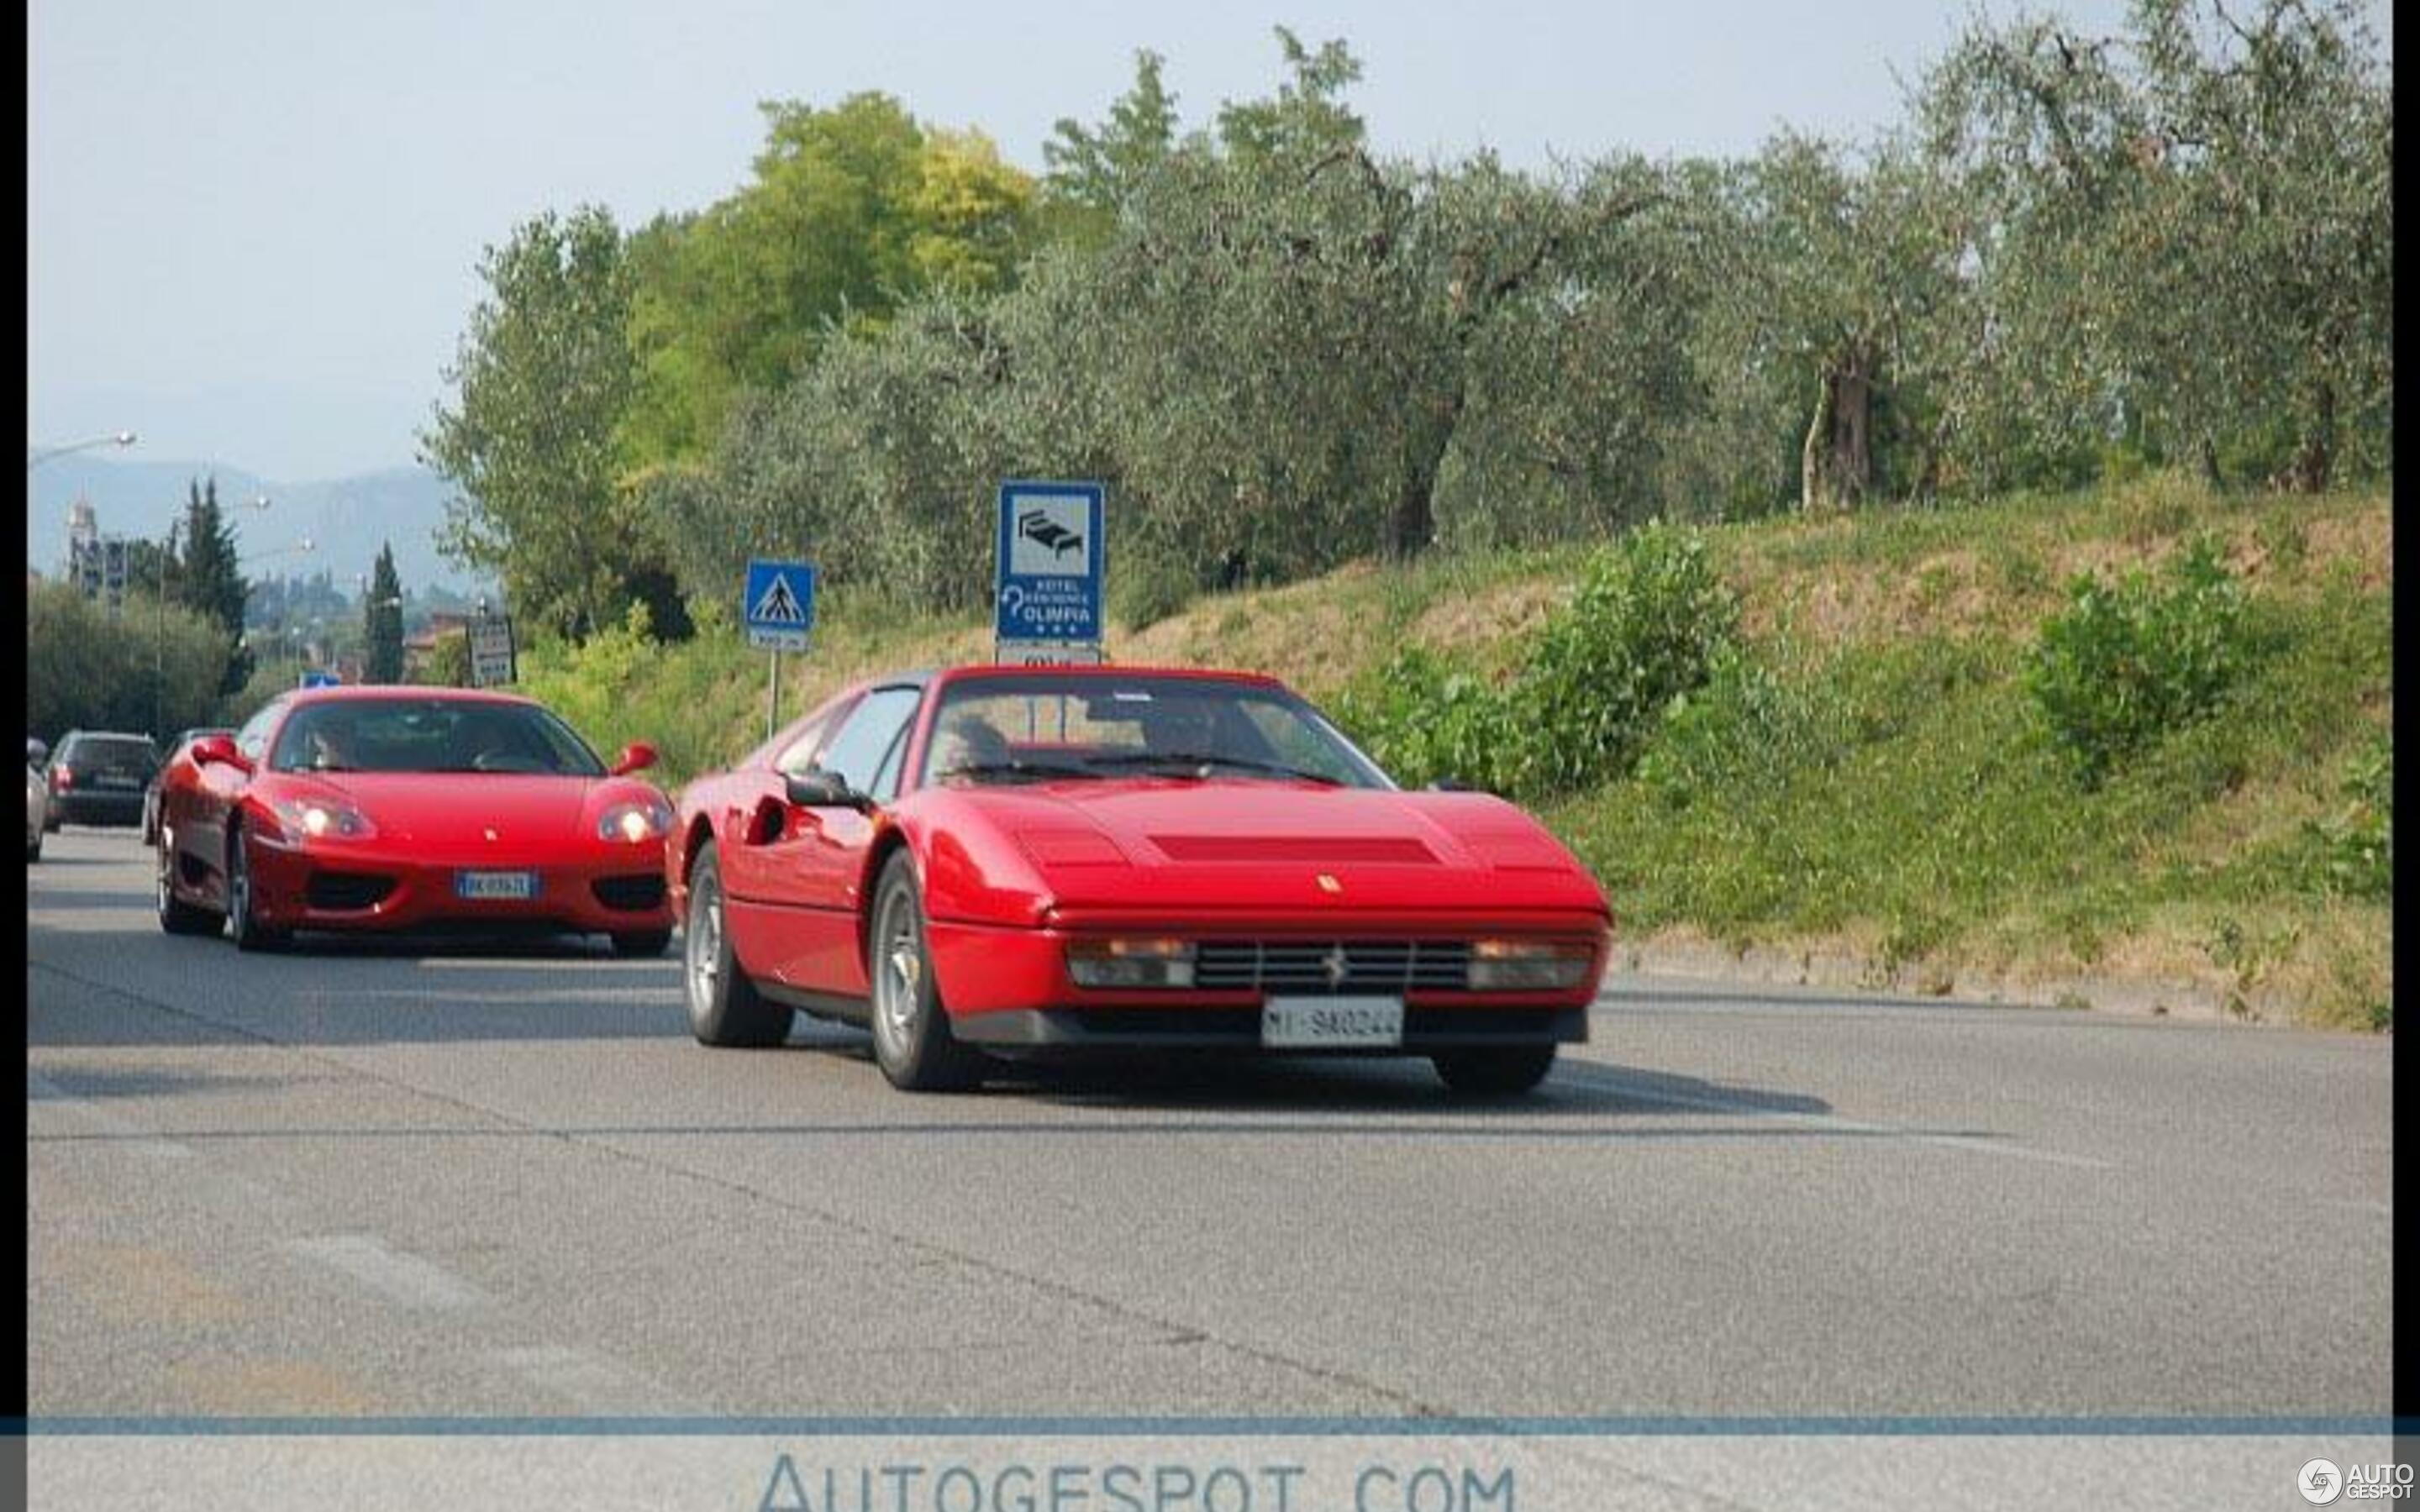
[(344, 518)]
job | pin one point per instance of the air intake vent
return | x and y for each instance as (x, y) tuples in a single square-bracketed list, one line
[(1332, 966), (347, 889), (631, 894)]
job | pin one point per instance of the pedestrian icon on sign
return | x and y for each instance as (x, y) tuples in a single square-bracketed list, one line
[(778, 606)]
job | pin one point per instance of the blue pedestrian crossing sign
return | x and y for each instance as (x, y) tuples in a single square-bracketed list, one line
[(1049, 577), (780, 605)]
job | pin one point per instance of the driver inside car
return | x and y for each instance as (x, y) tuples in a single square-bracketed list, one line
[(967, 740)]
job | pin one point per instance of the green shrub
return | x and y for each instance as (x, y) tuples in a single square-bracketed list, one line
[(2359, 846), (2126, 663), (1642, 630), (1422, 719)]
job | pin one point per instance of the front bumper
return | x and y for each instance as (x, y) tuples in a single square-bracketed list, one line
[(324, 887), (1009, 988)]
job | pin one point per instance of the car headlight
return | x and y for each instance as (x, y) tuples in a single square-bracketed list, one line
[(322, 819), (1524, 965), (635, 822), (1130, 962)]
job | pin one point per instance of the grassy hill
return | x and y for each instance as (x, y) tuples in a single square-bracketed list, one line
[(1887, 807)]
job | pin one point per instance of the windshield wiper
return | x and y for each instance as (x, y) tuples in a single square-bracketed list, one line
[(1202, 762), (1038, 770)]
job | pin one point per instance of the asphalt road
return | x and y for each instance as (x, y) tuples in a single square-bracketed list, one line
[(367, 1179)]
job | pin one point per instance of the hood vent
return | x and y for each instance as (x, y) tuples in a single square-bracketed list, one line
[(1340, 849)]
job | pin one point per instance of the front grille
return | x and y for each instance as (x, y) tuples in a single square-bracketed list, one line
[(1332, 966), (631, 894), (346, 889)]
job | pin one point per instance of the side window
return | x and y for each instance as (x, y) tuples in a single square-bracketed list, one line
[(865, 742), (253, 738), (800, 753)]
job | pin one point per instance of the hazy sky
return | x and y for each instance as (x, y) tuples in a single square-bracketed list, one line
[(252, 224)]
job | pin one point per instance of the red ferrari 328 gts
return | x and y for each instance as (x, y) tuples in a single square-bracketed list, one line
[(1013, 860), (405, 809)]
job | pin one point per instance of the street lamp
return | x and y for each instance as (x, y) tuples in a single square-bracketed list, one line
[(122, 438)]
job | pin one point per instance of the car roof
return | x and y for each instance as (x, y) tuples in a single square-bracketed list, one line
[(1107, 671), (302, 698), (103, 735)]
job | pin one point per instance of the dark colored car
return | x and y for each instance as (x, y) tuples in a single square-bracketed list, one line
[(151, 792), (97, 776)]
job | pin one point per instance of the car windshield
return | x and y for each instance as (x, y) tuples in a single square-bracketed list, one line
[(431, 735), (1042, 726)]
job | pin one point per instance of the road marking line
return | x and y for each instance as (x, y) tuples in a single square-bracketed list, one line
[(1840, 1125), (139, 1139), (589, 1382), (399, 1277), (2385, 1209)]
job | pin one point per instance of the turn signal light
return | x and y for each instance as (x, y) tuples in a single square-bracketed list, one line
[(1130, 962), (1522, 965)]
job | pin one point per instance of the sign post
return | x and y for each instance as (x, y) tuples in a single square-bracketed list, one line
[(778, 608), (494, 662), (1047, 579)]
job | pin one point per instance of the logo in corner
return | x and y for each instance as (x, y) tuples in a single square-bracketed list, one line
[(2321, 1482)]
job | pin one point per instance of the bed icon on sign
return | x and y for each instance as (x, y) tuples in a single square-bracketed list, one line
[(1037, 526)]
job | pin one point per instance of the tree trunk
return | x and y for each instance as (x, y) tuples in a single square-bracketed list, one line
[(2210, 474), (1412, 525), (1836, 464), (2317, 458)]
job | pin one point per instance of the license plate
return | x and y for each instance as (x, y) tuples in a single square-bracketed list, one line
[(495, 884), (1320, 1022), (111, 779)]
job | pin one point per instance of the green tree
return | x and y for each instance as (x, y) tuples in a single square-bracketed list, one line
[(383, 621), (154, 665), (543, 378), (207, 579)]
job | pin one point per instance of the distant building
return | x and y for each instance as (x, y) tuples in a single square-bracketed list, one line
[(421, 644)]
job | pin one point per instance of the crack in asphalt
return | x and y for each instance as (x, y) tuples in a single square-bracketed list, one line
[(1175, 1334)]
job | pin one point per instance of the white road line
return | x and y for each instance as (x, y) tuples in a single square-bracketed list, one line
[(404, 1279), (1839, 1125), (590, 1382), (2383, 1209), (144, 1141)]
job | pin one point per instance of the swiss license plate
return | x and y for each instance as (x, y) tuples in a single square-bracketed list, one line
[(495, 884), (1322, 1022)]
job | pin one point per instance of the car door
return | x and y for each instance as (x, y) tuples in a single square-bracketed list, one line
[(806, 873), (195, 814)]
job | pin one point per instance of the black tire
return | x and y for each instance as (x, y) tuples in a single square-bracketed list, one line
[(249, 931), (177, 917), (1495, 1071), (646, 944), (912, 1042), (725, 1009)]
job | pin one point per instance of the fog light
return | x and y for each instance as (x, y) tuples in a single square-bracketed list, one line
[(1529, 965), (1130, 962)]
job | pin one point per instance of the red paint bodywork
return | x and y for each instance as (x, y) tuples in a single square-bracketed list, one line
[(1009, 875), (428, 826)]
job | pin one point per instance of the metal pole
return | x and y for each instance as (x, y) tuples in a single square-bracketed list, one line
[(773, 695)]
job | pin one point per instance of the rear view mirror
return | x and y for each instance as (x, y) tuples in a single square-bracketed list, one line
[(820, 789), (221, 749)]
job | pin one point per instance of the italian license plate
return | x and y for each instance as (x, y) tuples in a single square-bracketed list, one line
[(495, 884), (1325, 1022)]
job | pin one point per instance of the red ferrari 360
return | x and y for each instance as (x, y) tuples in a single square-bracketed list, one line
[(1011, 860), (409, 809)]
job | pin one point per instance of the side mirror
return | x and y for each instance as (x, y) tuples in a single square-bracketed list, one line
[(221, 749), (636, 756), (820, 789)]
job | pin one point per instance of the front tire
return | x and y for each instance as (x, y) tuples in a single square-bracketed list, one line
[(1494, 1071), (725, 1009), (177, 917), (243, 921), (912, 1042)]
